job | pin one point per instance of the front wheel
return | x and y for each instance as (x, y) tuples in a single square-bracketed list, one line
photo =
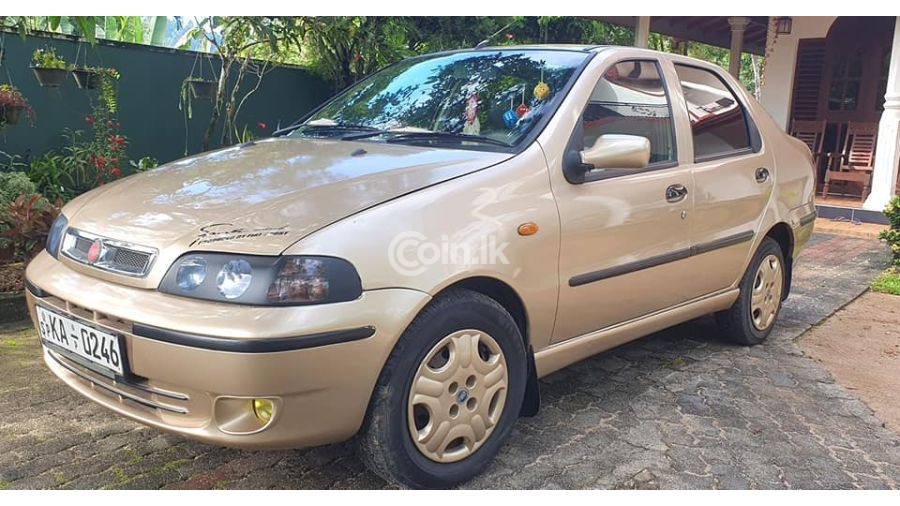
[(448, 395), (751, 319)]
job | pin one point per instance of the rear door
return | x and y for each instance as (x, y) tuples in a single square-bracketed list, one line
[(733, 175)]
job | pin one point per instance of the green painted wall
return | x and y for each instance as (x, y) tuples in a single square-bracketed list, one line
[(149, 90)]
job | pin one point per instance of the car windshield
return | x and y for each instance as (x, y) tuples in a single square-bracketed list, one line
[(477, 99)]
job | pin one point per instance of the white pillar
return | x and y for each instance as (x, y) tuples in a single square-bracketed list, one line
[(642, 31), (887, 151), (738, 26)]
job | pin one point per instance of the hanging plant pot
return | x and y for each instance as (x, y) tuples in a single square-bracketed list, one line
[(11, 113), (86, 79), (49, 78), (203, 89)]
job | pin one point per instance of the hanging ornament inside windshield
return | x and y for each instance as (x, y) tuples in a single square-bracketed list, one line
[(510, 118), (542, 90), (523, 109), (472, 126)]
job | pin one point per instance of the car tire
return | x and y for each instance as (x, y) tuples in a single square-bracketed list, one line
[(390, 442), (751, 319)]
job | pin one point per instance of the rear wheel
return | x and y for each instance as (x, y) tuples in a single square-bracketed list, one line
[(448, 395), (751, 319)]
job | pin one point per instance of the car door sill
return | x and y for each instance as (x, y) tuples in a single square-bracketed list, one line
[(562, 354)]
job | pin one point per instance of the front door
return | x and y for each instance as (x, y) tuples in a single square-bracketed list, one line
[(624, 233)]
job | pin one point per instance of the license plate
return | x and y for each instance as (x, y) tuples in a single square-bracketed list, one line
[(98, 350)]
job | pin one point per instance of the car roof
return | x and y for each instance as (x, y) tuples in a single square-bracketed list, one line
[(596, 48), (564, 47)]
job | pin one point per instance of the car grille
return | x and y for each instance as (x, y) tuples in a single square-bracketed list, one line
[(112, 255)]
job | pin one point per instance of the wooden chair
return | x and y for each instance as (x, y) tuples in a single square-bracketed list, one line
[(856, 162), (812, 133)]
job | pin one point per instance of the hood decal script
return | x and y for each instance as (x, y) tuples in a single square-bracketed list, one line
[(220, 232)]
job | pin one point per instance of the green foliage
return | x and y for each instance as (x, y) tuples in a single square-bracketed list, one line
[(47, 58), (48, 172), (887, 282), (11, 163), (144, 164), (347, 48), (892, 212), (892, 235), (82, 26), (13, 184), (344, 49), (25, 222), (246, 47), (84, 163)]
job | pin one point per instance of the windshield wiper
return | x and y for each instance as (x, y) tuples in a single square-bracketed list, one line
[(446, 136), (339, 128)]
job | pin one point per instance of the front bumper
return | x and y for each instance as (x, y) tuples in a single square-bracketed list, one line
[(206, 358)]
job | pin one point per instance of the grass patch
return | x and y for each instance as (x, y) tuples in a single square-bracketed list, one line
[(121, 477), (175, 464), (133, 457), (887, 282), (59, 478), (4, 484)]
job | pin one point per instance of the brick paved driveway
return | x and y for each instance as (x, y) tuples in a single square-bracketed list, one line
[(674, 410)]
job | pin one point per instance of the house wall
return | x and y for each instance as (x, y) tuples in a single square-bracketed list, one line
[(775, 93), (149, 91)]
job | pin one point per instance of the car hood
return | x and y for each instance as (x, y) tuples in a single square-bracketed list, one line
[(261, 197)]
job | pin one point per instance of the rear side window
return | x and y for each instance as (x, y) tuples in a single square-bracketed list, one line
[(718, 120), (631, 99)]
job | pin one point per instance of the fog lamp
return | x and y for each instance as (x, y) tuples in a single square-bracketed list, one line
[(263, 409)]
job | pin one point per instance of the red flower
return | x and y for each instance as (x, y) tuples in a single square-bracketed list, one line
[(109, 123), (261, 125), (89, 120), (116, 172)]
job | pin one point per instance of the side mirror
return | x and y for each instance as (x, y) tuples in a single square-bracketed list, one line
[(615, 151)]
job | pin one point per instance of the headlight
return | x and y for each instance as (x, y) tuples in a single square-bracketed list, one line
[(234, 278), (262, 280), (54, 237), (191, 273)]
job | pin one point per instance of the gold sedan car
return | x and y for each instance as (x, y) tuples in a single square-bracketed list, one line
[(404, 264)]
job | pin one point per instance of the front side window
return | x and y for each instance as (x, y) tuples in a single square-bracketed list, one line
[(478, 99), (718, 120), (631, 99)]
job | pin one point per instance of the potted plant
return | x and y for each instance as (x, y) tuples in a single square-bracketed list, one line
[(12, 104), (86, 78), (48, 67), (91, 78), (202, 88)]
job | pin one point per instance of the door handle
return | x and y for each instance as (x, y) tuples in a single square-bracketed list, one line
[(762, 175), (676, 193)]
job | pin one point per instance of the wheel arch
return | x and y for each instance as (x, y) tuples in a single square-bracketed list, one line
[(783, 234)]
